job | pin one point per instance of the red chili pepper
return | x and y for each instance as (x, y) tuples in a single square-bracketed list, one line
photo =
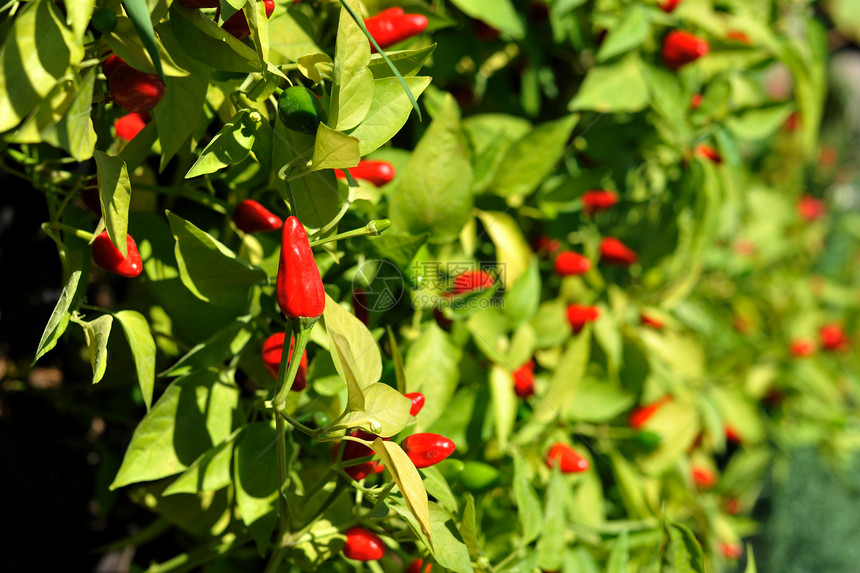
[(643, 413), (377, 172), (569, 263), (524, 380), (392, 26), (237, 24), (802, 348), (354, 450), (669, 6), (652, 322), (472, 281), (696, 101), (681, 48), (709, 153), (417, 402), (129, 125), (132, 89), (299, 288), (732, 550), (417, 566), (359, 305), (704, 477), (108, 257), (833, 337), (614, 252), (546, 247), (732, 434), (567, 458), (363, 545), (251, 217), (733, 506), (273, 349), (426, 450), (594, 201), (811, 208), (738, 36), (578, 315)]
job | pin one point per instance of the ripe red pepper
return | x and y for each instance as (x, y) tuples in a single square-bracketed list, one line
[(833, 337), (801, 348), (578, 315), (733, 506), (594, 201), (704, 477), (108, 257), (273, 349), (567, 458), (709, 153), (738, 36), (732, 550), (652, 322), (237, 24), (810, 208), (363, 545), (472, 281), (669, 6), (392, 26), (132, 89), (681, 48), (129, 125), (417, 566), (569, 263), (696, 101), (354, 450), (546, 247), (427, 449), (299, 288), (417, 402), (732, 434), (614, 252), (524, 380), (642, 414), (251, 217), (377, 172)]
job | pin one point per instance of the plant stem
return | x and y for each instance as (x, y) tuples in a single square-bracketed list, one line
[(281, 445), (372, 229), (80, 233), (289, 368)]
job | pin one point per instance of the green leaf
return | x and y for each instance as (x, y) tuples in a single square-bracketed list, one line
[(598, 401), (522, 298), (469, 528), (751, 567), (258, 24), (684, 551), (434, 194), (97, 333), (399, 248), (352, 89), (384, 412), (408, 481), (127, 44), (26, 76), (618, 87), (388, 111), (513, 253), (138, 11), (551, 544), (630, 487), (620, 555), (437, 487), (504, 402), (288, 39), (114, 196), (209, 472), (630, 32), (230, 145), (75, 132), (334, 150), (564, 385), (80, 13), (202, 39), (528, 504), (211, 271), (142, 346), (407, 62), (198, 408), (432, 368), (222, 345), (355, 351), (758, 124), (498, 14), (62, 311), (256, 471)]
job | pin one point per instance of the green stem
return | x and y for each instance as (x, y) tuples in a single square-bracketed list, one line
[(281, 445), (197, 557), (333, 223), (80, 233), (289, 368), (372, 229)]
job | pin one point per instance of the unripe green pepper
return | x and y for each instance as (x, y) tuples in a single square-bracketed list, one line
[(104, 20), (300, 110), (450, 469), (648, 439), (478, 475)]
